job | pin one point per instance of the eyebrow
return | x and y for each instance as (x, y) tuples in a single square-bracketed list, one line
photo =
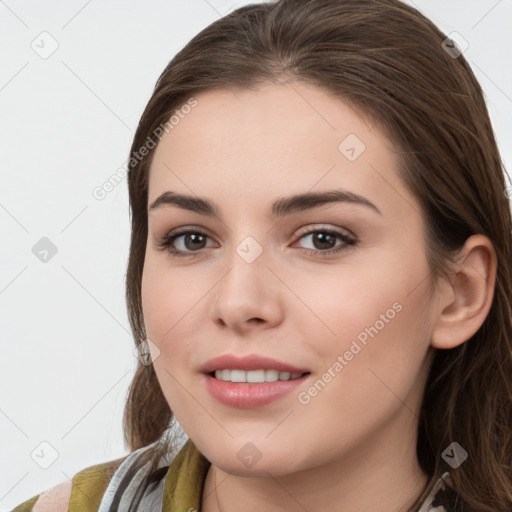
[(280, 208)]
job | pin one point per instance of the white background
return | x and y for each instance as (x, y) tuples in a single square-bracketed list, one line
[(66, 126)]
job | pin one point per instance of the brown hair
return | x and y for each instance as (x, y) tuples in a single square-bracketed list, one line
[(387, 60)]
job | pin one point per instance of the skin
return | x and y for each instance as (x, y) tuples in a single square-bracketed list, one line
[(243, 150)]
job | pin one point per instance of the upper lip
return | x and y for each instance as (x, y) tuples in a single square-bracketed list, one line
[(249, 362)]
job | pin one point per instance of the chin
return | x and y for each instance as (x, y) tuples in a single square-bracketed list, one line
[(242, 457), (276, 466)]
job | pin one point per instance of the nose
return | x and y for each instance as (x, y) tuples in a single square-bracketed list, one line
[(248, 296)]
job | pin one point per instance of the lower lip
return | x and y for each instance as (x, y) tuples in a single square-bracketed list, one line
[(246, 395)]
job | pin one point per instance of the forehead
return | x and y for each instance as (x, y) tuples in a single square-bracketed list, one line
[(274, 113), (280, 139)]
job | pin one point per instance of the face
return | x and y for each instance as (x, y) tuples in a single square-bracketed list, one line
[(334, 290)]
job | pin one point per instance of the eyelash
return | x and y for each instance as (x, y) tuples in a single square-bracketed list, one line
[(168, 240)]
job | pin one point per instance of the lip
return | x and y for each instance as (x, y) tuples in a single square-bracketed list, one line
[(249, 362), (245, 395)]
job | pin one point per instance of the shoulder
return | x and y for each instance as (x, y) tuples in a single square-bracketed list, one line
[(55, 499), (83, 492)]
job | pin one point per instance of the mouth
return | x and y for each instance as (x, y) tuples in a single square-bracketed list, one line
[(255, 376), (255, 391), (251, 381), (252, 366)]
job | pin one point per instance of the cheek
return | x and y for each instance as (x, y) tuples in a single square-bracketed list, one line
[(342, 302), (171, 303), (375, 318), (371, 369)]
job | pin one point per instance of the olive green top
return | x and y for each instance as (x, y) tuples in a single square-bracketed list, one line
[(184, 483)]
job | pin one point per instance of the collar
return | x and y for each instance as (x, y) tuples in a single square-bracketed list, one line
[(185, 479)]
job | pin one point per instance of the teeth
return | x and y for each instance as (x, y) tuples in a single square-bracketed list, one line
[(271, 375), (254, 375), (238, 376)]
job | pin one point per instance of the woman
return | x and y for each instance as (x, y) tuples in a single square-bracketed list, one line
[(319, 279)]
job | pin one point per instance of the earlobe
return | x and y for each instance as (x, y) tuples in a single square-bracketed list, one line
[(465, 301)]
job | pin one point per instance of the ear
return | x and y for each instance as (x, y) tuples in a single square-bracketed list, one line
[(466, 298)]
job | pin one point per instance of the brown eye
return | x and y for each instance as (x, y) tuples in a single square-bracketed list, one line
[(324, 241), (192, 242)]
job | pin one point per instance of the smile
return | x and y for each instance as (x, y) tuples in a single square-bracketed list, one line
[(255, 376), (249, 394)]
